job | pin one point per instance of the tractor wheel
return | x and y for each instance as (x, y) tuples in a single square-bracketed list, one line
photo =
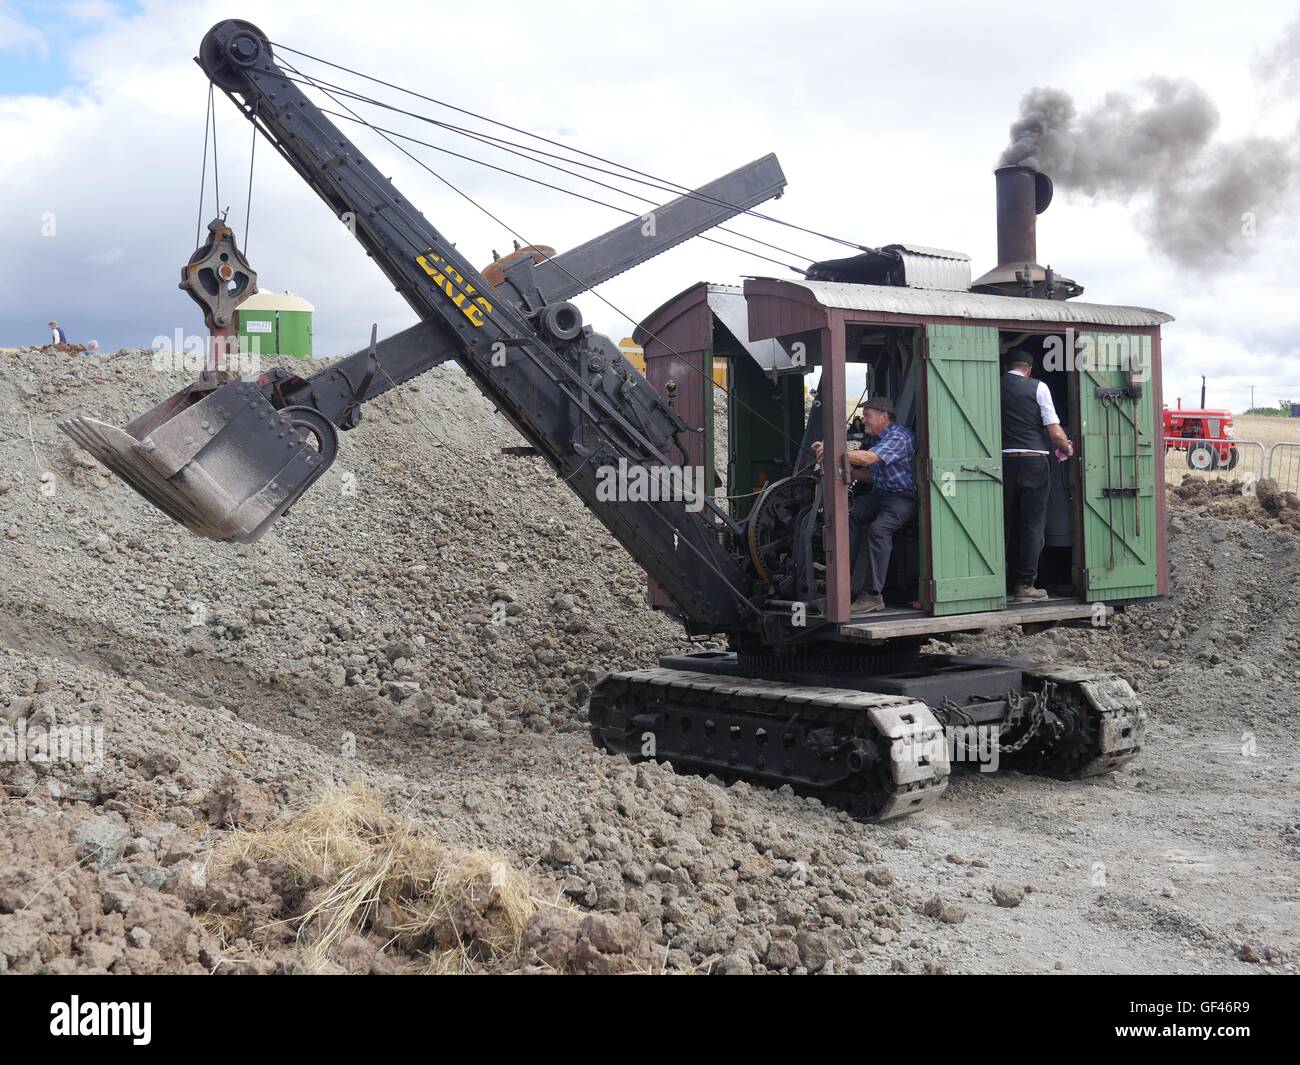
[(1234, 456), (1202, 457)]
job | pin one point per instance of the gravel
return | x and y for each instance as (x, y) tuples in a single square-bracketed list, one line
[(429, 620)]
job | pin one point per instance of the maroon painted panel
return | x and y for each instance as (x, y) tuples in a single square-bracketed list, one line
[(835, 470), (779, 309), (678, 340)]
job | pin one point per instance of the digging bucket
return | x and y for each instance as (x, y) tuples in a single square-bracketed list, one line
[(222, 460)]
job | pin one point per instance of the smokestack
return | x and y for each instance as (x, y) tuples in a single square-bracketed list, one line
[(1023, 193)]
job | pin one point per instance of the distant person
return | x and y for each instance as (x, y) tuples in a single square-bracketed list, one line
[(57, 335), (1030, 427), (91, 348)]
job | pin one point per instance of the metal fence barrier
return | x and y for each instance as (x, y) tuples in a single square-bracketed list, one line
[(1284, 465), (1236, 459)]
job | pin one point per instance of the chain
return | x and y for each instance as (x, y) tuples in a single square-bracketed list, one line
[(947, 710), (1037, 715)]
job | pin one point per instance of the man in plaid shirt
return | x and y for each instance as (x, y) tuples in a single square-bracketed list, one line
[(891, 503)]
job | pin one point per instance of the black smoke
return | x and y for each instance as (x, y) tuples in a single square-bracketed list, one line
[(1201, 202)]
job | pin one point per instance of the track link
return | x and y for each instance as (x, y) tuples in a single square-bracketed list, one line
[(877, 756), (1098, 726)]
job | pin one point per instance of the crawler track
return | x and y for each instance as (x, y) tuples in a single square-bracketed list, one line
[(1099, 725), (877, 756)]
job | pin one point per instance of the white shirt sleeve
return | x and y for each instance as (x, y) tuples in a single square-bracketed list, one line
[(1045, 405)]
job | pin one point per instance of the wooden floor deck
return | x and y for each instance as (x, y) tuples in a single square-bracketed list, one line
[(891, 623)]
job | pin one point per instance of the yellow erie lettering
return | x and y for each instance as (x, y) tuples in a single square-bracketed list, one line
[(474, 312), (433, 273), (458, 292)]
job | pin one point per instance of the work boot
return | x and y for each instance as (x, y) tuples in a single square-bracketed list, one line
[(1027, 593), (866, 603)]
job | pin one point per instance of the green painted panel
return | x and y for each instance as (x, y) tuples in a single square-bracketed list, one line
[(257, 332), (971, 587), (963, 485), (271, 332), (295, 334), (756, 412), (1118, 453)]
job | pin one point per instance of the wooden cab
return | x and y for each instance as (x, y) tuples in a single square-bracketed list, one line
[(937, 353)]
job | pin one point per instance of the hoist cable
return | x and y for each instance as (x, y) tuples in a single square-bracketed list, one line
[(216, 169), (558, 144), (248, 207), (556, 188), (203, 173), (529, 153), (584, 286), (522, 152)]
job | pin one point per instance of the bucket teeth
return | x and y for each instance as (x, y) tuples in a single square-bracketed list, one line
[(226, 467)]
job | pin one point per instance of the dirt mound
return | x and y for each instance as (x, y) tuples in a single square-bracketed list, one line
[(71, 901), (343, 885), (1261, 501), (428, 621), (426, 624)]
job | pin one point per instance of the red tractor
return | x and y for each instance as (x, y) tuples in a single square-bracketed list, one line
[(1206, 436)]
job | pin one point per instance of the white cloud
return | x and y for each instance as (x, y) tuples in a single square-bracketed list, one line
[(887, 125), (18, 36), (91, 12)]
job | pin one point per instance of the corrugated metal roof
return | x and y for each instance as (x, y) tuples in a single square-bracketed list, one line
[(936, 253), (888, 299), (933, 268)]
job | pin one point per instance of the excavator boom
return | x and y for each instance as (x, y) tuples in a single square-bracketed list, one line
[(227, 459)]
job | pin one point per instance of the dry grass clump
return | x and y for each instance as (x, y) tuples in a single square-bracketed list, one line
[(368, 871)]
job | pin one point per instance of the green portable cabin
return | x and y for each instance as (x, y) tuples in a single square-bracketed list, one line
[(912, 324), (275, 323)]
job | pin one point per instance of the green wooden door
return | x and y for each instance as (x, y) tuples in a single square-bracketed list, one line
[(966, 567), (1119, 464)]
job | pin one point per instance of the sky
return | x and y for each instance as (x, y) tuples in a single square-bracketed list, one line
[(887, 119)]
